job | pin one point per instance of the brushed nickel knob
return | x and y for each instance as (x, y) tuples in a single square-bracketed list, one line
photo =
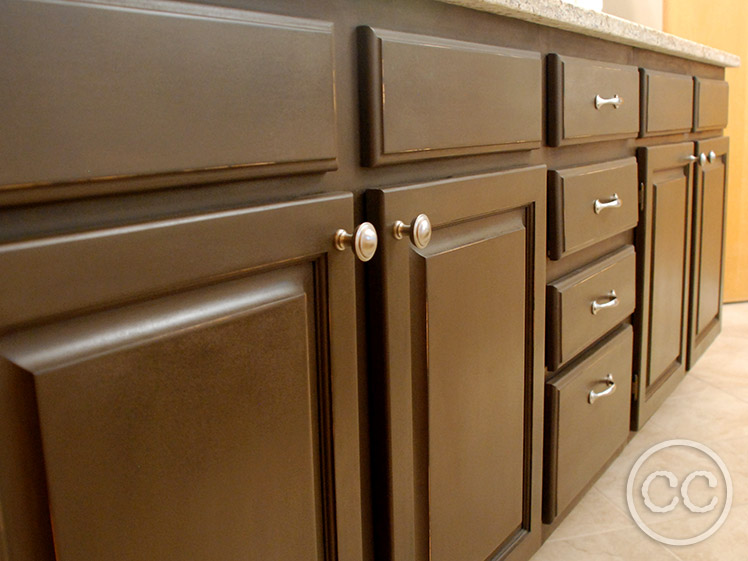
[(363, 241), (419, 230), (702, 159), (712, 156)]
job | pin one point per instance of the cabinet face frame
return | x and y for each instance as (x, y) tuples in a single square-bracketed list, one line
[(660, 168), (174, 259), (400, 487), (703, 330)]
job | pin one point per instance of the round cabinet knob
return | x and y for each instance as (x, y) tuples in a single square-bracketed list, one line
[(364, 241), (712, 156), (419, 230), (702, 159)]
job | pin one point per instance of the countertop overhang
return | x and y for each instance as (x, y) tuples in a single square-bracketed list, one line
[(562, 15)]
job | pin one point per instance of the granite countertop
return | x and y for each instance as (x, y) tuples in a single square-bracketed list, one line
[(561, 15)]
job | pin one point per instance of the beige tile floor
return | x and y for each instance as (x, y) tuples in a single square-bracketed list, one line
[(711, 407)]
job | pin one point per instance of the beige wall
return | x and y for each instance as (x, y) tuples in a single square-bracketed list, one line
[(724, 24), (646, 12)]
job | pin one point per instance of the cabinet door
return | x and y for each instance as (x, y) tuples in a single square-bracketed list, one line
[(195, 386), (663, 255), (457, 358), (710, 189)]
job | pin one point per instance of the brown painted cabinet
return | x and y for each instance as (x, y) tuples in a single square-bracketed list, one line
[(175, 390), (456, 390), (708, 245), (190, 368), (664, 254)]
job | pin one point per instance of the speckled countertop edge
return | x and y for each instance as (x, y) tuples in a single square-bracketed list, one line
[(561, 15)]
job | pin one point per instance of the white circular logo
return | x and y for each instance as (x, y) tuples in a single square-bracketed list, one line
[(673, 485)]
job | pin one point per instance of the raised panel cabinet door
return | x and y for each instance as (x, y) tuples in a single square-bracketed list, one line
[(457, 369), (663, 275), (707, 266), (213, 417)]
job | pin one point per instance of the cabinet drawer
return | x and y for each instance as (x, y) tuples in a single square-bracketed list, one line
[(582, 104), (445, 98), (116, 92), (588, 204), (582, 436), (582, 307), (710, 104), (666, 103)]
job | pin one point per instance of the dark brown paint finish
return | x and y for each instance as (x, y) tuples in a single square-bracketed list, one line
[(572, 325), (581, 205), (153, 98), (573, 86), (664, 256), (710, 104), (581, 435), (707, 262), (456, 393), (25, 528), (219, 420), (426, 97), (186, 441), (193, 192), (666, 103)]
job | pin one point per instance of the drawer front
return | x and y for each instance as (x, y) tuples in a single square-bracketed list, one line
[(582, 307), (582, 102), (425, 97), (153, 99), (588, 204), (710, 107), (667, 102), (582, 436)]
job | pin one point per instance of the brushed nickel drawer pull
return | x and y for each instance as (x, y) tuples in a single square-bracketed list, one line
[(712, 156), (593, 396), (612, 303), (363, 241), (419, 231), (616, 101), (702, 159), (615, 202)]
